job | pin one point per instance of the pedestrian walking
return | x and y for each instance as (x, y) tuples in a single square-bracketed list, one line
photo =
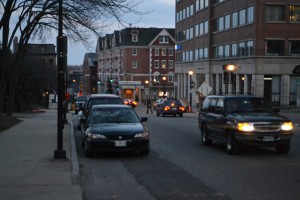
[(149, 106)]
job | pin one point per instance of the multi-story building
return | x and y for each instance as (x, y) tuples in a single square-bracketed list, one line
[(137, 62), (89, 83), (261, 38)]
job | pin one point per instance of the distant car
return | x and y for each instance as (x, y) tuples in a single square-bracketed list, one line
[(157, 102), (98, 99), (170, 107), (243, 120), (79, 102), (130, 102), (115, 128)]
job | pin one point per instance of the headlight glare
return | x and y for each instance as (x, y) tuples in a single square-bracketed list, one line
[(246, 127), (95, 136), (287, 126), (142, 135)]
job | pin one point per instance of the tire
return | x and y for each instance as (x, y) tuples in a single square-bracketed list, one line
[(232, 147), (283, 148), (87, 152), (163, 115), (157, 114), (145, 152), (205, 137), (181, 115)]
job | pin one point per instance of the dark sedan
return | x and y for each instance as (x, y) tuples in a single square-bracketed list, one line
[(115, 128), (170, 107)]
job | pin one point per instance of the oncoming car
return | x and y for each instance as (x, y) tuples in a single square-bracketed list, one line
[(244, 120), (115, 128)]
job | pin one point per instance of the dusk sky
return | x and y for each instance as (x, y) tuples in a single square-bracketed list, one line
[(162, 16)]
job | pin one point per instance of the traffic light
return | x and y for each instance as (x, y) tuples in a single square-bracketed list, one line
[(67, 96)]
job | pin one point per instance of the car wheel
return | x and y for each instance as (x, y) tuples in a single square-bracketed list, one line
[(232, 146), (181, 115), (145, 152), (163, 114), (87, 152), (283, 148), (205, 137)]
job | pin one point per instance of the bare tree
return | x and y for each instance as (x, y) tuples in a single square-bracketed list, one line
[(36, 19)]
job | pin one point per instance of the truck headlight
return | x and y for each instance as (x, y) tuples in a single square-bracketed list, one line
[(287, 126), (246, 127)]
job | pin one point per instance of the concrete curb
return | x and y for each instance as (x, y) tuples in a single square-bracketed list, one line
[(74, 158)]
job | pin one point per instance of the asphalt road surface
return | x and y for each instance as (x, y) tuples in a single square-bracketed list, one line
[(179, 167)]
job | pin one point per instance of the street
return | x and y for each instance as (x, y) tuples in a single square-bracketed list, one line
[(180, 167)]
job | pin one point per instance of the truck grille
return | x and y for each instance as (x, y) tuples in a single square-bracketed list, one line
[(267, 127)]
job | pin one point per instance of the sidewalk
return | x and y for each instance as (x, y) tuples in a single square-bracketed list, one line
[(28, 170)]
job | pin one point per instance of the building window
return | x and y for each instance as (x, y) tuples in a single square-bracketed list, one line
[(163, 52), (235, 19), (134, 64), (295, 13), (156, 64), (156, 53), (171, 52), (275, 12), (226, 51), (249, 48), (164, 64), (171, 78), (171, 64), (275, 47), (164, 39), (242, 49), (242, 17), (227, 22), (134, 52), (234, 50), (220, 23), (134, 38), (294, 47), (250, 14), (42, 49)]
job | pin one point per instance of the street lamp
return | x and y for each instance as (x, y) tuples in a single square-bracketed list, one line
[(191, 85), (164, 78), (228, 75)]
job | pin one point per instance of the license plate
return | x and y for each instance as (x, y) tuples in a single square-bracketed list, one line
[(268, 139), (120, 143), (173, 108)]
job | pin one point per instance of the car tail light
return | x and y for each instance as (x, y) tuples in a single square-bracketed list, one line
[(167, 108), (181, 108)]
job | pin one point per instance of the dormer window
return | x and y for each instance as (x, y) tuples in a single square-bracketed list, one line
[(134, 36), (164, 39), (42, 49)]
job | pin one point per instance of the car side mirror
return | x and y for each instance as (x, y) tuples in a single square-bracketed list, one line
[(144, 119)]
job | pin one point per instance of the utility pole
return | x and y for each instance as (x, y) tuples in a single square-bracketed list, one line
[(59, 153)]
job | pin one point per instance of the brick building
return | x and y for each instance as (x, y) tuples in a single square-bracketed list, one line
[(261, 38), (89, 83), (135, 61)]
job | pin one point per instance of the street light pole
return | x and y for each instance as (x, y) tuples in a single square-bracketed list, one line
[(59, 153)]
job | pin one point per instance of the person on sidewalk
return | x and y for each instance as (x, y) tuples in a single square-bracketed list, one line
[(149, 106)]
